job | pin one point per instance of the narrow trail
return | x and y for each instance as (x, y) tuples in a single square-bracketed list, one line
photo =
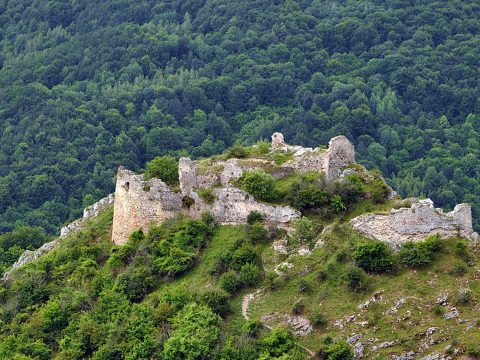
[(247, 299)]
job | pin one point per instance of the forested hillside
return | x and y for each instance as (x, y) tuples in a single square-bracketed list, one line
[(89, 85)]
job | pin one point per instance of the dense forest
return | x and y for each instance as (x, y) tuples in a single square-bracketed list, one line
[(89, 85)]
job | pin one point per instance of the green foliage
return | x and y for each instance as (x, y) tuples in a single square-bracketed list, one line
[(252, 328), (237, 151), (419, 254), (164, 168), (196, 332), (229, 281), (356, 279), (278, 342), (257, 233), (373, 256), (249, 274), (217, 300), (339, 350), (259, 184), (206, 195), (254, 217), (303, 232)]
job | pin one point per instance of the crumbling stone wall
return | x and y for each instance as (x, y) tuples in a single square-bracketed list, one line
[(416, 223), (332, 161), (139, 202)]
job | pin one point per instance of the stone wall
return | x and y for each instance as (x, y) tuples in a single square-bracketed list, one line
[(416, 223), (139, 202)]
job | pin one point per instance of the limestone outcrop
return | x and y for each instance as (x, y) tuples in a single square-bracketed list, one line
[(415, 223), (139, 202)]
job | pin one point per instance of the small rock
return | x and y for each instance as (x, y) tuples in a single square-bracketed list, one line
[(303, 250), (404, 356), (358, 350), (442, 299), (353, 339), (452, 314)]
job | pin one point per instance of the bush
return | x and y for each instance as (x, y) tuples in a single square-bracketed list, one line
[(311, 197), (229, 281), (254, 217), (257, 233), (464, 297), (217, 300), (207, 195), (373, 256), (357, 279), (337, 204), (317, 319), (252, 328), (339, 350), (237, 151), (278, 342), (259, 184), (164, 168), (419, 254), (298, 307), (249, 274), (459, 268), (272, 280), (304, 285), (461, 250), (245, 254), (303, 232)]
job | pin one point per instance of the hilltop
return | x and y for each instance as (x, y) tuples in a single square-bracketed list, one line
[(349, 269)]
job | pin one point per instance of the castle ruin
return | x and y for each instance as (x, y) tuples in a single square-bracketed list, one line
[(140, 202)]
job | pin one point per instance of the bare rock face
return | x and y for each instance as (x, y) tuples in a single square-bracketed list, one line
[(416, 223)]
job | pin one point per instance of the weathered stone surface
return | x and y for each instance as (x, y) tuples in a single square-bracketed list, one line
[(277, 140), (416, 223), (88, 212), (139, 202), (29, 256), (332, 162), (299, 325)]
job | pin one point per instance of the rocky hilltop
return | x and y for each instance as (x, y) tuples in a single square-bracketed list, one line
[(139, 202)]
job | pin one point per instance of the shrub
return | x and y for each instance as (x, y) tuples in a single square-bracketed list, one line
[(321, 275), (272, 280), (249, 274), (303, 232), (229, 281), (254, 217), (259, 184), (419, 254), (207, 195), (317, 319), (464, 297), (373, 256), (337, 204), (339, 350), (164, 168), (461, 250), (357, 279), (257, 233), (245, 254), (252, 328), (217, 300), (310, 197), (298, 307), (208, 219), (459, 268), (304, 285), (237, 151), (278, 342), (196, 332)]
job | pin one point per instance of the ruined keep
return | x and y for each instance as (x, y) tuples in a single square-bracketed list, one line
[(139, 202), (415, 223)]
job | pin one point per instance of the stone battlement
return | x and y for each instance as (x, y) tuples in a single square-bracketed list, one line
[(417, 222), (139, 202)]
